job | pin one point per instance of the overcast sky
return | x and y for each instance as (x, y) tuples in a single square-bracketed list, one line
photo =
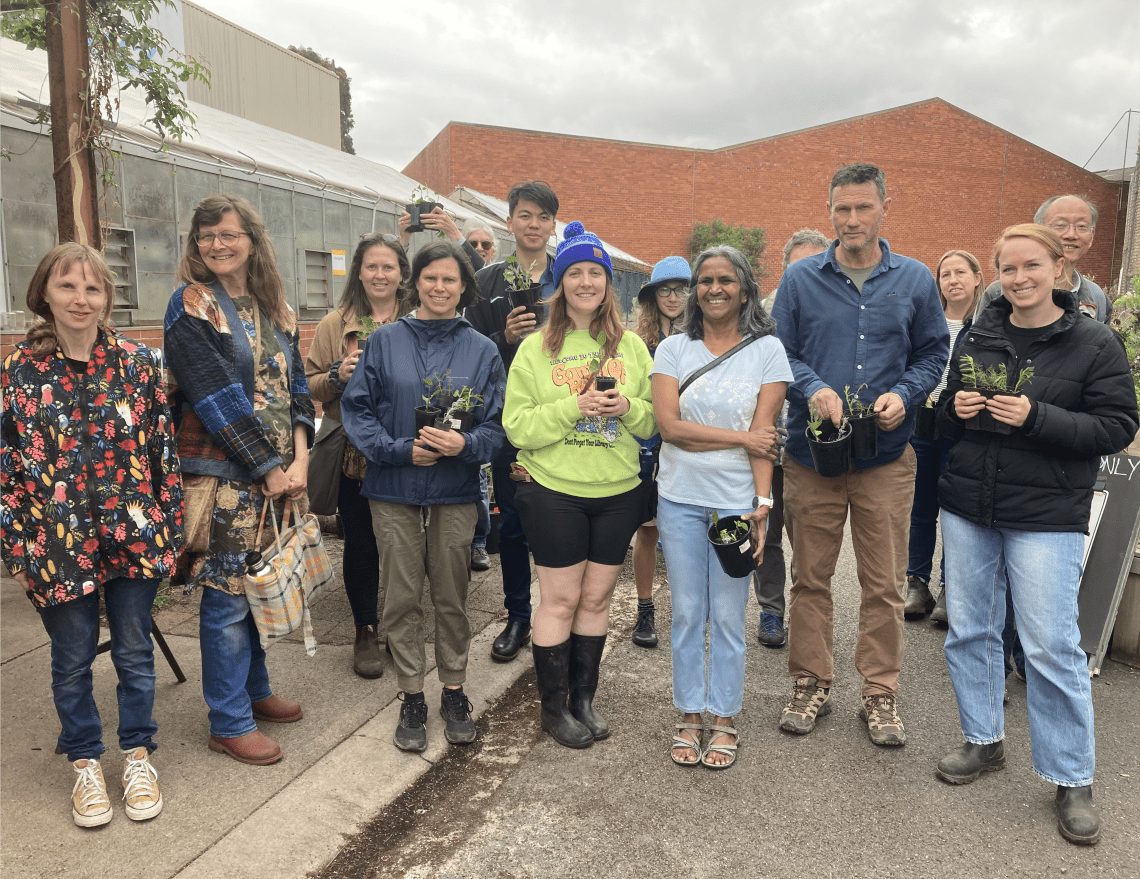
[(711, 74)]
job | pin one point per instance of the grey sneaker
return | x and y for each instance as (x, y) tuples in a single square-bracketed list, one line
[(809, 702), (455, 709), (938, 615), (919, 601), (883, 723), (411, 732), (480, 559)]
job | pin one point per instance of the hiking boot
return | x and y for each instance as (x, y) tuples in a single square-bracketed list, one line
[(969, 761), (771, 632), (480, 559), (274, 709), (411, 732), (90, 805), (919, 601), (645, 632), (506, 647), (883, 723), (809, 702), (140, 786), (455, 709), (253, 748), (1077, 818), (366, 661), (938, 615)]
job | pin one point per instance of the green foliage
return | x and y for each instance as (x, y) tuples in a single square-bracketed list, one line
[(726, 536), (515, 275), (815, 421), (993, 378), (370, 326), (747, 239), (440, 389), (1126, 321), (346, 120), (855, 406), (125, 52)]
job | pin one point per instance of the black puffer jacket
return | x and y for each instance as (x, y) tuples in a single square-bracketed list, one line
[(1040, 477)]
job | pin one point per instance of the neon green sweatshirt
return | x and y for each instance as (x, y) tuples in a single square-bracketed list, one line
[(562, 449)]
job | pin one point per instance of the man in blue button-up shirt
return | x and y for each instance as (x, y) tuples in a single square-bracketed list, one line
[(857, 315)]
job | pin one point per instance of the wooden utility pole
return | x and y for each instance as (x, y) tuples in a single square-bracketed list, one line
[(76, 189)]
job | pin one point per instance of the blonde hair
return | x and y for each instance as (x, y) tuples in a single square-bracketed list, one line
[(975, 267), (42, 334), (1044, 236)]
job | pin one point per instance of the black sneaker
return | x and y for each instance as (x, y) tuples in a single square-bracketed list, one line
[(480, 560), (771, 631), (645, 632), (455, 709), (411, 734)]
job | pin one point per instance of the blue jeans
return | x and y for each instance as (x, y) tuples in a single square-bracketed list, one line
[(1044, 575), (74, 631), (514, 551), (930, 461), (703, 596), (482, 513), (234, 675)]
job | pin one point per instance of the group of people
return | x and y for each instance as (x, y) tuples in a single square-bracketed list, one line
[(594, 433)]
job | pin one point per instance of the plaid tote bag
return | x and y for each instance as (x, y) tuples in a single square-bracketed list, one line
[(292, 571)]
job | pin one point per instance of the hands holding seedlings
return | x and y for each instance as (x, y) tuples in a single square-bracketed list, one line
[(1007, 408), (757, 519), (348, 366), (829, 405), (605, 404), (519, 321), (444, 442), (890, 410), (438, 220)]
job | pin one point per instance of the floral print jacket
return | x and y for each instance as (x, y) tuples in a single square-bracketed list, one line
[(88, 471)]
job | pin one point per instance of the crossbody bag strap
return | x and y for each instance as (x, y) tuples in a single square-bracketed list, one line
[(723, 357)]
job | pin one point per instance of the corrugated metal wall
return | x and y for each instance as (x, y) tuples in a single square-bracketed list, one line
[(260, 81)]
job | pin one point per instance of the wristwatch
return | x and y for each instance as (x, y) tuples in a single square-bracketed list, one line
[(758, 502)]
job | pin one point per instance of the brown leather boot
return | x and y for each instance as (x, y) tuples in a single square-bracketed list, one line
[(253, 748), (277, 710), (366, 660)]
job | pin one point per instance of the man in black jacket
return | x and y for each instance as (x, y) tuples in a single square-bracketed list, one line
[(532, 208)]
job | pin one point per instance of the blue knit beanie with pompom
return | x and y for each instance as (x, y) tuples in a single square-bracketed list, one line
[(578, 245)]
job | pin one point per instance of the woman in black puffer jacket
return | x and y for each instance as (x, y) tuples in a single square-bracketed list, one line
[(1020, 502)]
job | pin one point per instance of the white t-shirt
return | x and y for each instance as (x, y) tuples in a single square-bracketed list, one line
[(723, 397)]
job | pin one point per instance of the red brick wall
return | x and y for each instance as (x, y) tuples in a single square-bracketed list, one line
[(955, 182)]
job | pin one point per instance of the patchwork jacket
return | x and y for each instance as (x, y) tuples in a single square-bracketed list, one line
[(88, 471)]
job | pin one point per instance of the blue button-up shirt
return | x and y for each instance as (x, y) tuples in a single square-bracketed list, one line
[(891, 337)]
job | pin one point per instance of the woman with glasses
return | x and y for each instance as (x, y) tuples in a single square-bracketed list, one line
[(481, 237), (374, 295), (660, 303), (246, 421)]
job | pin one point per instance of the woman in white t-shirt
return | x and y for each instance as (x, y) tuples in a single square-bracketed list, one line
[(717, 453)]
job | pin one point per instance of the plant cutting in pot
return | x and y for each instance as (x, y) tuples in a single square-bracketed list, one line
[(990, 382), (421, 203), (924, 421), (732, 542), (451, 409), (521, 290), (864, 425), (830, 446)]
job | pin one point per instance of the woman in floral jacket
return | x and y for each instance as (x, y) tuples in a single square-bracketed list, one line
[(91, 498), (246, 421)]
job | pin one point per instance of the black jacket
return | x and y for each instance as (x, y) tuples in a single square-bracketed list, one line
[(489, 313), (1040, 477)]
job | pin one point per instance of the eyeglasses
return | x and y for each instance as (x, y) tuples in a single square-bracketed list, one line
[(1060, 227), (481, 245), (378, 237), (666, 292), (227, 238)]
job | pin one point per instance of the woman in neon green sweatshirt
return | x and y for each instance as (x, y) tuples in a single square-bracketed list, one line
[(581, 495)]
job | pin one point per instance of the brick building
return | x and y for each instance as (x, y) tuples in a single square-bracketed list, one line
[(956, 181)]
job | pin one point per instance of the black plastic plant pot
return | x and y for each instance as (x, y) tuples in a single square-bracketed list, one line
[(532, 295), (605, 382), (924, 423), (538, 309), (735, 558), (864, 436), (463, 421), (985, 421), (425, 417), (414, 212), (831, 453)]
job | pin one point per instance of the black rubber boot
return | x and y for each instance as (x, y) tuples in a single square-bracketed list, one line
[(970, 761), (1077, 818), (585, 659), (552, 668)]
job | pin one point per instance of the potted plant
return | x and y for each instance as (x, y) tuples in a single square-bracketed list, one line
[(990, 382), (521, 290), (864, 425), (448, 408), (732, 541), (924, 421), (830, 445), (421, 203)]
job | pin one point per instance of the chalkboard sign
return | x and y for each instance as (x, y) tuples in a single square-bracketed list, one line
[(1114, 528)]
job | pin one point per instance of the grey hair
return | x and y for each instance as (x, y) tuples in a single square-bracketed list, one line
[(754, 321), (466, 227), (1039, 217), (805, 236), (859, 172)]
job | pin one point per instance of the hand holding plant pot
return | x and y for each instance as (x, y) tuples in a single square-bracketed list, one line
[(733, 540), (445, 441), (986, 402)]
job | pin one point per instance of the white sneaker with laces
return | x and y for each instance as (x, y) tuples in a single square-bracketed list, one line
[(140, 786)]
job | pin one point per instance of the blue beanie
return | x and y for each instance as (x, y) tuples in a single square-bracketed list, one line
[(672, 268), (578, 245)]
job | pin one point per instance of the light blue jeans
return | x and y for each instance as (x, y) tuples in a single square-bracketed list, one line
[(703, 596), (1044, 577)]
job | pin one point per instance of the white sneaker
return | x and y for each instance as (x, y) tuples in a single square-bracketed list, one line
[(90, 805), (140, 786)]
